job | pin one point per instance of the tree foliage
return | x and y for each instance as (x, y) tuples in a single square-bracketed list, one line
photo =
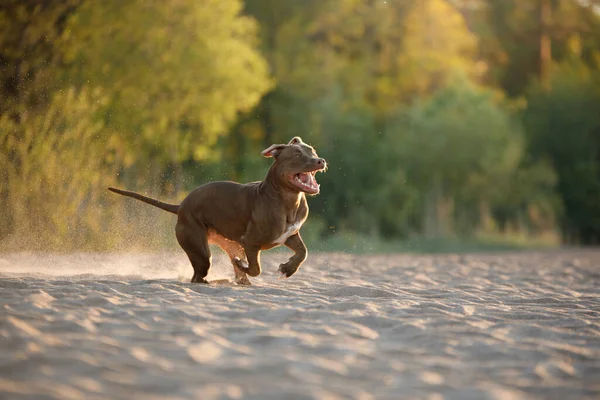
[(177, 72), (55, 166), (437, 117), (30, 46), (564, 128)]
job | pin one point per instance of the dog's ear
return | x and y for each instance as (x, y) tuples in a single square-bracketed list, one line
[(272, 150), (296, 140)]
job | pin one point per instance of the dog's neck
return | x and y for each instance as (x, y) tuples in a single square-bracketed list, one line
[(271, 186)]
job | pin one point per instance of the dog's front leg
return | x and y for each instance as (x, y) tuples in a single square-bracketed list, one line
[(252, 267), (296, 244)]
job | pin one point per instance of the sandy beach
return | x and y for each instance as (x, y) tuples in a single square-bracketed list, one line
[(125, 326)]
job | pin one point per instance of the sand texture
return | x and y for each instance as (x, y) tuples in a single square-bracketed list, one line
[(130, 326)]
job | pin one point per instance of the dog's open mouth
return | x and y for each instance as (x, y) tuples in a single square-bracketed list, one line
[(306, 182)]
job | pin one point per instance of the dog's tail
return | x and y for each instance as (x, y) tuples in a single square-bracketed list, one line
[(173, 208)]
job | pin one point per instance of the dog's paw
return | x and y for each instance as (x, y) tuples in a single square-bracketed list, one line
[(199, 280), (286, 270), (243, 281)]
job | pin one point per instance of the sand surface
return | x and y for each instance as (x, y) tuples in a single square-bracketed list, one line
[(129, 326)]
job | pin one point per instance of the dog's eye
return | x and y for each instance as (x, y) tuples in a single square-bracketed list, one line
[(297, 155)]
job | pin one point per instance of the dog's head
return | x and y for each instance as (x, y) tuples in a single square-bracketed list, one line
[(297, 164)]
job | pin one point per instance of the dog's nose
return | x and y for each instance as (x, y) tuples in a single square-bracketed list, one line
[(320, 161)]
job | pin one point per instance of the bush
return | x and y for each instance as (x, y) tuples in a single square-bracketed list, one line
[(55, 167)]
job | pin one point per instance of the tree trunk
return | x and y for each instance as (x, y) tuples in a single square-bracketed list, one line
[(545, 42), (433, 197)]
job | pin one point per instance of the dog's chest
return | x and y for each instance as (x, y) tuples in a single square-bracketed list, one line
[(289, 231)]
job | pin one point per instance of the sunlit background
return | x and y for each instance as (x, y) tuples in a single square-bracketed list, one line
[(447, 124)]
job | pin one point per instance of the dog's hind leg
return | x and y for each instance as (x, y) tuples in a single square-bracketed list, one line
[(193, 239), (235, 252), (252, 267)]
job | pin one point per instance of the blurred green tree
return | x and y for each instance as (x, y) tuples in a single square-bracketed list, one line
[(521, 39), (563, 124), (29, 50), (177, 73), (463, 151)]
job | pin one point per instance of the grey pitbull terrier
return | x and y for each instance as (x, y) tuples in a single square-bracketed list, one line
[(244, 219)]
